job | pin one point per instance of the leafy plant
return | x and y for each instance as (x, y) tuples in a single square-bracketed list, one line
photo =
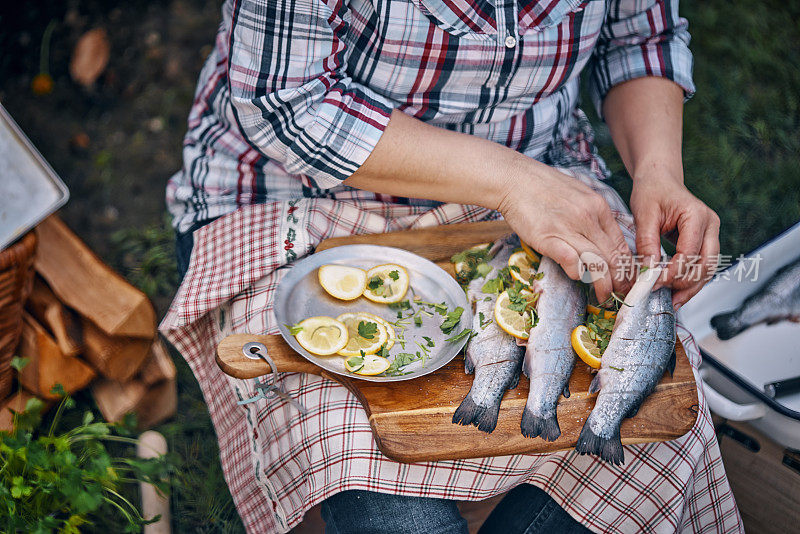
[(59, 482)]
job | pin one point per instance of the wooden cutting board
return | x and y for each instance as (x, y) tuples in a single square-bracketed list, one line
[(412, 420)]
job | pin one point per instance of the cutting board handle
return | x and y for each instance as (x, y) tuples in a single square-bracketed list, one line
[(232, 360)]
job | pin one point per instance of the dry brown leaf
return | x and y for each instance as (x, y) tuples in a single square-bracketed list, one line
[(90, 57)]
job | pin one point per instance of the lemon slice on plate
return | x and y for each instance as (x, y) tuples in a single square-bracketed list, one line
[(376, 334), (585, 347), (392, 335), (386, 283), (322, 336), (513, 322), (367, 365), (521, 267), (342, 282)]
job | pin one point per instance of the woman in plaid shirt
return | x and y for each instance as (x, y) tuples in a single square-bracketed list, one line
[(410, 106)]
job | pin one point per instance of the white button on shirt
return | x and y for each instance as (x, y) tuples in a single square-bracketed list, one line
[(511, 42)]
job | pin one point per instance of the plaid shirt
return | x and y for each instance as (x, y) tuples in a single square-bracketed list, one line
[(296, 94), (279, 463)]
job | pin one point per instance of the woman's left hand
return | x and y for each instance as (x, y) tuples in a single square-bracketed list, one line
[(663, 205)]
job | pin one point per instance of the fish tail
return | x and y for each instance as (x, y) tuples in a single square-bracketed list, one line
[(470, 413), (727, 325), (533, 425), (609, 449)]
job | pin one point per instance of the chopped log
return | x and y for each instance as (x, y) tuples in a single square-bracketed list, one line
[(151, 405), (159, 404), (117, 358), (158, 366), (47, 366), (63, 323), (86, 284), (15, 402)]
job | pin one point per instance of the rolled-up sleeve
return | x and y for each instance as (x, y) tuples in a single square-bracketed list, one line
[(641, 38), (291, 95)]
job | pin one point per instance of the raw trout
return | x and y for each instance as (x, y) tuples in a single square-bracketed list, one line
[(549, 357), (777, 300), (492, 354), (641, 348)]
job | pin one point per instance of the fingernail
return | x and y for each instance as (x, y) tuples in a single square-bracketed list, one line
[(678, 306)]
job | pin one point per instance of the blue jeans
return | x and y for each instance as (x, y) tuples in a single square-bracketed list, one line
[(525, 509)]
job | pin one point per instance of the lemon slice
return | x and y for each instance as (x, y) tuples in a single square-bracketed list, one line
[(392, 335), (529, 251), (368, 365), (386, 283), (521, 267), (322, 336), (513, 322), (596, 310), (585, 347), (461, 266), (357, 344), (342, 282)]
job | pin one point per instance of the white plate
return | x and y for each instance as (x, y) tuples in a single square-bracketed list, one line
[(299, 296)]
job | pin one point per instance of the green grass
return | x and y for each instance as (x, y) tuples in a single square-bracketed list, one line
[(741, 142)]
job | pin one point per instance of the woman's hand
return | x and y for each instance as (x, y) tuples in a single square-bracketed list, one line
[(564, 219), (661, 204)]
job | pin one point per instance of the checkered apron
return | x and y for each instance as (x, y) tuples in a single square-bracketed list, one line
[(279, 463)]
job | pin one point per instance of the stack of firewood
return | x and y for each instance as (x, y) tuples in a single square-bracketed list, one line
[(85, 325)]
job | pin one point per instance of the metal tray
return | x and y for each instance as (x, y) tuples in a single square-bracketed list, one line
[(31, 189), (300, 296)]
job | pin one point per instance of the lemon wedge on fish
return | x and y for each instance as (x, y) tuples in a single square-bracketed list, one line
[(386, 283), (342, 282), (514, 322), (585, 347), (365, 334), (601, 312), (529, 251), (367, 365), (521, 267), (322, 336)]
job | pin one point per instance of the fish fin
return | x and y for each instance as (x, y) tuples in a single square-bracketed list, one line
[(566, 391), (533, 426), (469, 413), (469, 368), (595, 385), (514, 381), (673, 360), (726, 325), (609, 449)]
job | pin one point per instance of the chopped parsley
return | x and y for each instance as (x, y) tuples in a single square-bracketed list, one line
[(464, 333), (367, 329), (451, 320), (294, 329), (401, 360), (394, 275)]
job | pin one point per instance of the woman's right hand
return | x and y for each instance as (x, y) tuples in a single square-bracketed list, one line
[(567, 221)]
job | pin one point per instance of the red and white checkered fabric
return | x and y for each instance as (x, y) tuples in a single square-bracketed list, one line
[(279, 463)]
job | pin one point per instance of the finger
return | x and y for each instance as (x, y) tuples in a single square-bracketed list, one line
[(619, 253), (706, 268), (596, 266), (563, 254), (648, 235), (690, 238)]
